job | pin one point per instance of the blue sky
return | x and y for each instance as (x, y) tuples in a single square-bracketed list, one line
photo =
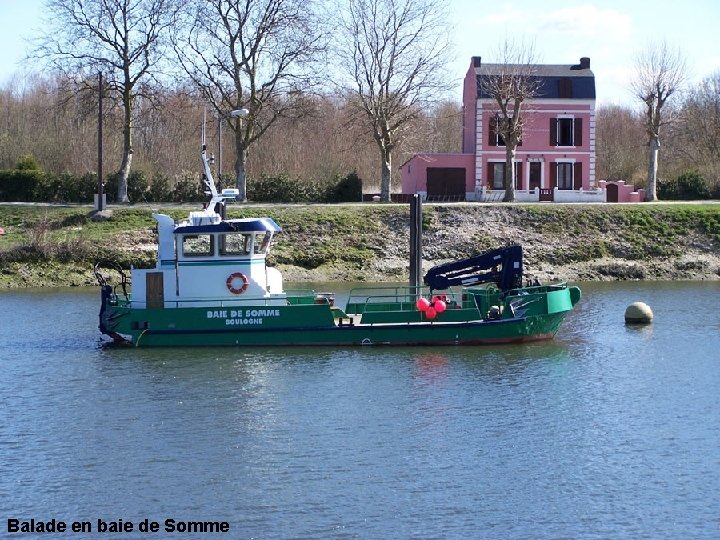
[(610, 32)]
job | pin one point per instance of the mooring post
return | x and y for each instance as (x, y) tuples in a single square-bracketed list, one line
[(416, 242)]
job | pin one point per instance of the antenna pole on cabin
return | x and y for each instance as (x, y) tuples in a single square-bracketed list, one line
[(415, 242), (99, 202)]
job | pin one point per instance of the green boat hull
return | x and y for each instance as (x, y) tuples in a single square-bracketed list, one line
[(321, 324)]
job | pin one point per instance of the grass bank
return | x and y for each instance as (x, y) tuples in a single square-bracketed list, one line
[(57, 246)]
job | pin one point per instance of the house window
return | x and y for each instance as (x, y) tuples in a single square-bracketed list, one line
[(564, 88), (496, 139), (498, 175), (565, 175), (566, 132)]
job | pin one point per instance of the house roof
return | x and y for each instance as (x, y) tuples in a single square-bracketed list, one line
[(558, 81)]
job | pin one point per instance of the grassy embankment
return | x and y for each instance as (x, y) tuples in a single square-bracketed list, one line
[(48, 246)]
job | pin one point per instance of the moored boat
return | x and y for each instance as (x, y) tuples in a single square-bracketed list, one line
[(212, 286)]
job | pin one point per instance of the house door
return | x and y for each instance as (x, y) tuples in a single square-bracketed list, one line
[(611, 193), (446, 184), (535, 174)]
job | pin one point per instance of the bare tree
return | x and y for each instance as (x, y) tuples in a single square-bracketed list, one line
[(252, 54), (699, 129), (121, 38), (620, 154), (510, 83), (394, 53), (443, 128), (660, 74)]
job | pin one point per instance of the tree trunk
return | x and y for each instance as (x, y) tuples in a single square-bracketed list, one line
[(509, 180), (386, 166), (240, 173), (651, 189), (124, 172)]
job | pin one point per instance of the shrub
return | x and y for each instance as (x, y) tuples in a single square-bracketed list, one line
[(188, 190), (67, 188), (282, 188), (27, 163), (689, 185), (159, 190), (274, 189), (34, 185), (110, 187), (20, 185), (347, 189), (138, 186)]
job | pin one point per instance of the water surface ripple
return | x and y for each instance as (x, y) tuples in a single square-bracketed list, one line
[(606, 432)]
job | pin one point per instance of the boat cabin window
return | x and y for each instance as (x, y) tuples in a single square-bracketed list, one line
[(198, 245), (235, 244), (262, 242)]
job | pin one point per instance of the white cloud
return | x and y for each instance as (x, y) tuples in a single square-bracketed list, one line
[(583, 21), (587, 22)]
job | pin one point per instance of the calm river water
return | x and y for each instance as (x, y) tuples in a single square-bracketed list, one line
[(605, 432)]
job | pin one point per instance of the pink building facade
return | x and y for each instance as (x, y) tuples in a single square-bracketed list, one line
[(554, 162)]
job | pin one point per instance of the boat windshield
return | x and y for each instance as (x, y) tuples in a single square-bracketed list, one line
[(235, 243), (262, 242), (197, 245)]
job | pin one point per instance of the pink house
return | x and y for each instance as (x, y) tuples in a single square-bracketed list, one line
[(554, 162)]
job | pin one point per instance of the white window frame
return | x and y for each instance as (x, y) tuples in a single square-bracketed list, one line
[(566, 165), (562, 119)]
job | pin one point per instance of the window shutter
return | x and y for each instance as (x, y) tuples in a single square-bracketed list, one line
[(578, 132), (564, 88), (553, 175), (577, 176), (553, 132), (490, 175), (492, 140), (518, 175)]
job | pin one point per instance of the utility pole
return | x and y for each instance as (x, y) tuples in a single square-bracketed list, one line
[(99, 206)]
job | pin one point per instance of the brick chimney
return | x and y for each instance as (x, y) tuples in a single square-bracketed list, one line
[(584, 64)]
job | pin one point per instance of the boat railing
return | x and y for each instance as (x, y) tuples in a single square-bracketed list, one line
[(393, 298), (294, 297), (103, 270)]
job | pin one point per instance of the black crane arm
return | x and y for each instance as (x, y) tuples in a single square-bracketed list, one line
[(501, 266)]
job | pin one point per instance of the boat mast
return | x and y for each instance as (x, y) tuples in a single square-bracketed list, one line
[(208, 179)]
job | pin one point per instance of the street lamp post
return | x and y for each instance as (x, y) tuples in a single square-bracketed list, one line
[(219, 167), (240, 114), (237, 113)]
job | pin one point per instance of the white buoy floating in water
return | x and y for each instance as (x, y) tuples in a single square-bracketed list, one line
[(638, 313)]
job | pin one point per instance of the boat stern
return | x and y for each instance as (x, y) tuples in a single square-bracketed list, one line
[(110, 314)]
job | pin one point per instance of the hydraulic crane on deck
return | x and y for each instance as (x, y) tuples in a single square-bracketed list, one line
[(501, 266)]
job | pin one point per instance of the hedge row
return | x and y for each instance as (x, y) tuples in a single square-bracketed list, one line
[(690, 185), (36, 186)]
